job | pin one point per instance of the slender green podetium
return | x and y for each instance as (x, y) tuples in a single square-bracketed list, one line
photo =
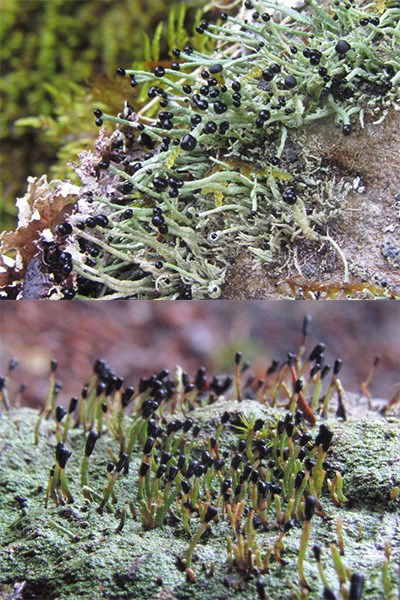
[(89, 447), (309, 508), (210, 514), (338, 564), (112, 475), (62, 529), (388, 586)]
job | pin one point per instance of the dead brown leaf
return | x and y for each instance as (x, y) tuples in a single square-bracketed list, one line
[(38, 209)]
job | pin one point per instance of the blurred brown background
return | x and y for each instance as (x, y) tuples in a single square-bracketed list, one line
[(141, 337)]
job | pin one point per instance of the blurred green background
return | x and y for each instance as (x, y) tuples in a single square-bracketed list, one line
[(58, 61)]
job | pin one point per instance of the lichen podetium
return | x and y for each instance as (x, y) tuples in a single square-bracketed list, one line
[(217, 159), (200, 486)]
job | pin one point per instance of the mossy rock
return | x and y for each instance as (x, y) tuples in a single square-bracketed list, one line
[(83, 555)]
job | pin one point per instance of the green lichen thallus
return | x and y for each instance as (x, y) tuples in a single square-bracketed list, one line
[(202, 169)]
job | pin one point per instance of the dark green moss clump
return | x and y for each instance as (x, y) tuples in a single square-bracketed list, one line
[(57, 58)]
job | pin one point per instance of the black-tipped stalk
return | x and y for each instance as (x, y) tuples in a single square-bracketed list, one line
[(316, 352), (89, 447), (144, 476), (323, 441), (278, 546), (121, 521), (19, 395), (83, 408), (100, 407), (58, 480), (71, 409), (112, 478), (297, 387), (49, 486), (94, 392), (210, 514), (317, 380), (305, 330), (124, 399), (53, 389), (4, 393), (364, 386), (168, 497), (301, 402), (340, 411), (309, 508), (334, 384), (51, 397), (60, 413), (238, 360), (224, 419), (317, 554), (62, 456)]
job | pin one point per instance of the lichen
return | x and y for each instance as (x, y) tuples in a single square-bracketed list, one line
[(171, 528), (220, 159)]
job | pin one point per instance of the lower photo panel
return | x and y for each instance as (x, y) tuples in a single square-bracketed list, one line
[(200, 449)]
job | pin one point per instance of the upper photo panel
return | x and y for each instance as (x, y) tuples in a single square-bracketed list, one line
[(193, 150)]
